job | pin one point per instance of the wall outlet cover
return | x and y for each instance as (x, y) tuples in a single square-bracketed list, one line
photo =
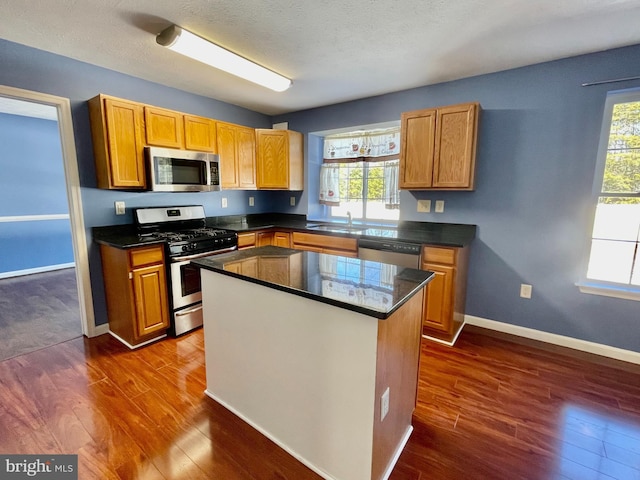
[(439, 206), (224, 202), (120, 208), (526, 290), (252, 201), (424, 206), (384, 404), (292, 201)]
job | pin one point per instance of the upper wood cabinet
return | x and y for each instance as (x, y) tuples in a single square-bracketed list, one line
[(164, 128), (438, 148), (237, 150), (280, 160), (117, 131), (200, 134)]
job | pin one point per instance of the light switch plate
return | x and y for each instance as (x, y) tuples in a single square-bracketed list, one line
[(224, 202), (292, 201), (251, 201), (439, 206), (424, 206)]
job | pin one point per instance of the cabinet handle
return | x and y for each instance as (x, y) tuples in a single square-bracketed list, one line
[(130, 275)]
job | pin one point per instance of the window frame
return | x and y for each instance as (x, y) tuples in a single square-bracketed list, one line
[(365, 188), (594, 286)]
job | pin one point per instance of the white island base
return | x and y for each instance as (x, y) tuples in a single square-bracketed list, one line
[(311, 376)]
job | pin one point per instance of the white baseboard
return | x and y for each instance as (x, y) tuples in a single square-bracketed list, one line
[(554, 339), (29, 271), (133, 347)]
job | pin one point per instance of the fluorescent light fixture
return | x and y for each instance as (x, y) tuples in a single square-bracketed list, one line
[(182, 41)]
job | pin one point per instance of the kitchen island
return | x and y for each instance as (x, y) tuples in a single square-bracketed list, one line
[(318, 352)]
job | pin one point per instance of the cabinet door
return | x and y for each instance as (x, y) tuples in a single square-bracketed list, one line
[(264, 239), (125, 155), (282, 239), (164, 128), (200, 134), (455, 147), (438, 304), (246, 157), (418, 130), (150, 296), (272, 163), (226, 134)]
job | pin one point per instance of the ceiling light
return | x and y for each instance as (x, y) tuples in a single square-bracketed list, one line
[(184, 42)]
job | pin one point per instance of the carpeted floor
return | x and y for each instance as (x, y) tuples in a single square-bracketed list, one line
[(37, 311)]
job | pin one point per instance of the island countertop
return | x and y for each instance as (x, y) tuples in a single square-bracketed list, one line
[(371, 288)]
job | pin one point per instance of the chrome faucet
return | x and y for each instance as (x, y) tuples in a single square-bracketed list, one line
[(349, 217)]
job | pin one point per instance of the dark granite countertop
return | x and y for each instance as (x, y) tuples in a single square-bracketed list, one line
[(122, 236), (442, 234), (371, 288)]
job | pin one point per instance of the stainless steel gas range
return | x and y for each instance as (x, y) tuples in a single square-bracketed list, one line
[(187, 237)]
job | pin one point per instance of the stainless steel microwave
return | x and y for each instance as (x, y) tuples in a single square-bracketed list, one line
[(171, 170)]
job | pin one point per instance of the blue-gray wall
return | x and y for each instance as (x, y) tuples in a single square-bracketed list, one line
[(539, 132), (537, 147), (32, 183)]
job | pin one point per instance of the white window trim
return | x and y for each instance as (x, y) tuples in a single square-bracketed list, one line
[(616, 290), (588, 285)]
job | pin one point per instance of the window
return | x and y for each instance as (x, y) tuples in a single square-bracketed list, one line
[(614, 259), (359, 176)]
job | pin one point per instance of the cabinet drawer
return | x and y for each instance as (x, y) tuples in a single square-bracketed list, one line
[(246, 240), (324, 241), (443, 255), (146, 256)]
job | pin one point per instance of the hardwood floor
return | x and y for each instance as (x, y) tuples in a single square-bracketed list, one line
[(487, 409)]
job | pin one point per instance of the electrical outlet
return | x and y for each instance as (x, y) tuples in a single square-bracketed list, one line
[(251, 201), (384, 404), (424, 206), (224, 202), (292, 201), (439, 206), (525, 290), (120, 208)]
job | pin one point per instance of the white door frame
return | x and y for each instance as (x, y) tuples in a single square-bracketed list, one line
[(72, 177)]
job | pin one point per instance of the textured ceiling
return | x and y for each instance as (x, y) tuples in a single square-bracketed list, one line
[(333, 50)]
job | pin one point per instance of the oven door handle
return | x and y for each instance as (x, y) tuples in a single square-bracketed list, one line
[(200, 255), (188, 311)]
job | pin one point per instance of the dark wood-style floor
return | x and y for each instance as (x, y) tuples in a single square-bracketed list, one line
[(487, 409)]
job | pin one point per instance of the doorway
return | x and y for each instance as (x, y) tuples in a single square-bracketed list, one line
[(62, 110)]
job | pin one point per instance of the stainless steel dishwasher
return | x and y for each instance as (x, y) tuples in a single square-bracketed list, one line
[(390, 251)]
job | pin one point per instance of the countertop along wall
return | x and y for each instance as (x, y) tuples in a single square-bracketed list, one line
[(538, 137)]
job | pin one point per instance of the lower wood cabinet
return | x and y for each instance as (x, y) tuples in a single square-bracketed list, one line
[(136, 291), (282, 239), (444, 303), (314, 242), (264, 238)]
